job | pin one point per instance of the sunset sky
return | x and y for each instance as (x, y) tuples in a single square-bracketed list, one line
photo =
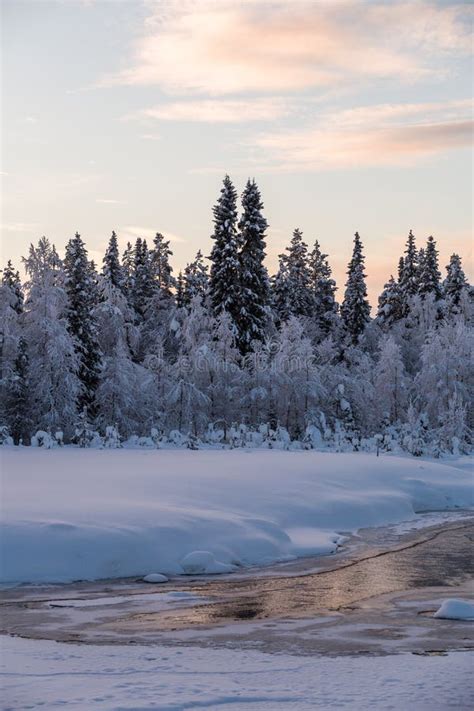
[(126, 115)]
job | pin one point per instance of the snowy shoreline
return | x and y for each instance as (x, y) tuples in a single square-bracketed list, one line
[(73, 514)]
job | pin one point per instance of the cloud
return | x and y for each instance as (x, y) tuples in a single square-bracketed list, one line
[(19, 227), (106, 201), (131, 233), (151, 136), (384, 134), (218, 111), (230, 46)]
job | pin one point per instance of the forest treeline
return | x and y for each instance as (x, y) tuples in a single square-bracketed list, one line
[(224, 354)]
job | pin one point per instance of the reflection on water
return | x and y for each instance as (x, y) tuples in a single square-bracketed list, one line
[(446, 559)]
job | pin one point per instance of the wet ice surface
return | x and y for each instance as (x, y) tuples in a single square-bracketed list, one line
[(368, 586), (163, 599)]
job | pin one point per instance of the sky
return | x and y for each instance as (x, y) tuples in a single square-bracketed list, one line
[(126, 115)]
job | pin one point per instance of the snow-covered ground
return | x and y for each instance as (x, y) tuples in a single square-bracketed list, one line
[(49, 675), (73, 514)]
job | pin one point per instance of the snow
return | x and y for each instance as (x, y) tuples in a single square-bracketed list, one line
[(80, 514), (203, 562), (453, 609), (155, 578), (42, 674)]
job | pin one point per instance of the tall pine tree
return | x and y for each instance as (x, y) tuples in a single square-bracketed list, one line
[(253, 311), (224, 283), (81, 323), (17, 405), (161, 270), (196, 280), (408, 274), (355, 309), (11, 279), (296, 273), (324, 289), (455, 283), (143, 285), (112, 269), (430, 277)]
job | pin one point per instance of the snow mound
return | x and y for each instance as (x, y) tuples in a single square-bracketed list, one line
[(204, 563), (453, 609), (155, 578), (83, 514)]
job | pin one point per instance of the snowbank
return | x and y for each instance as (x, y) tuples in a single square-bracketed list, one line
[(77, 514), (453, 609)]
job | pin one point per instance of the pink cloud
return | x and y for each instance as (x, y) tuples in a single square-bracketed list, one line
[(370, 135), (230, 46), (217, 110)]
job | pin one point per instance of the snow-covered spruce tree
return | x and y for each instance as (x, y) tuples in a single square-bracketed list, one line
[(11, 280), (112, 269), (124, 393), (390, 384), (54, 362), (280, 292), (11, 307), (160, 305), (297, 277), (160, 267), (455, 283), (224, 282), (128, 271), (390, 305), (254, 311), (324, 289), (17, 402), (355, 309), (408, 273), (196, 280), (143, 283), (429, 277), (180, 290), (81, 323)]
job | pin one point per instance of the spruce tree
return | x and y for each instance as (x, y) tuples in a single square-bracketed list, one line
[(455, 283), (17, 406), (298, 276), (196, 280), (143, 285), (224, 283), (430, 277), (128, 268), (11, 279), (280, 292), (180, 291), (390, 305), (161, 270), (355, 309), (324, 290), (54, 358), (112, 269), (408, 273), (254, 285), (81, 323)]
